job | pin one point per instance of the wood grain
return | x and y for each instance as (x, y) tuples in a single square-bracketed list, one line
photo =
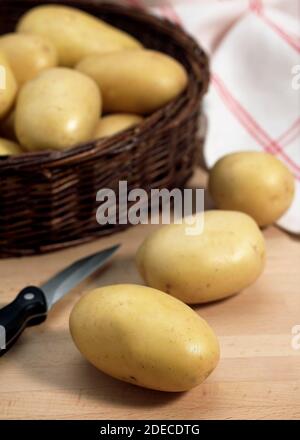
[(258, 377)]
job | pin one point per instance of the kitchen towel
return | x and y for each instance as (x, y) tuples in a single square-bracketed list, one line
[(254, 98)]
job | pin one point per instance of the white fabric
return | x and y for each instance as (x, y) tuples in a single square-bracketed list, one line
[(254, 48)]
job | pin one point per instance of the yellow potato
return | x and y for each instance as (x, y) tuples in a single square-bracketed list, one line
[(145, 337), (256, 183), (28, 54), (113, 124), (7, 126), (135, 81), (74, 33), (8, 86), (57, 109), (226, 257), (9, 148)]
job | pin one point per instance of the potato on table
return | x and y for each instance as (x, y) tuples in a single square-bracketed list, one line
[(145, 337), (253, 182), (226, 257)]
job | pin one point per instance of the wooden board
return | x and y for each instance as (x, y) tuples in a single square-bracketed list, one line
[(258, 377)]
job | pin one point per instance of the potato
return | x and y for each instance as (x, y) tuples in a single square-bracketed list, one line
[(74, 33), (7, 126), (9, 148), (252, 182), (113, 124), (135, 81), (8, 86), (28, 55), (227, 256), (145, 337), (57, 109)]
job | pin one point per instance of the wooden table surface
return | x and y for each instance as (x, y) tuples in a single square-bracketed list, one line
[(258, 377)]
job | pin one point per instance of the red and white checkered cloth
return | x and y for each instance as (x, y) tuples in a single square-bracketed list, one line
[(253, 102)]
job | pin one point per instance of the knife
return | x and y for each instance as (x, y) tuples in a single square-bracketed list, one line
[(32, 305)]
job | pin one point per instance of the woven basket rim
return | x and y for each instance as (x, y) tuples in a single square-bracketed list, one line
[(120, 141)]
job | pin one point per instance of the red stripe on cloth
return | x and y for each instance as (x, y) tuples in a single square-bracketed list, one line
[(169, 12), (253, 128), (255, 5), (243, 116), (291, 134), (289, 161), (292, 41), (173, 15)]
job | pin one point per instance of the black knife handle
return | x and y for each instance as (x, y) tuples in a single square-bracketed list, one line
[(29, 308)]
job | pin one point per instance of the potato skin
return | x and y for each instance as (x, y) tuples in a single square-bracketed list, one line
[(8, 93), (253, 182), (112, 124), (74, 33), (28, 54), (135, 81), (225, 258), (57, 110), (9, 148), (145, 337)]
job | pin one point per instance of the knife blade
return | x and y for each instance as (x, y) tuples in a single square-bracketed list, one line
[(55, 288), (33, 303)]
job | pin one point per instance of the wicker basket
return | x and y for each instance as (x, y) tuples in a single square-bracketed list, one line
[(48, 199)]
